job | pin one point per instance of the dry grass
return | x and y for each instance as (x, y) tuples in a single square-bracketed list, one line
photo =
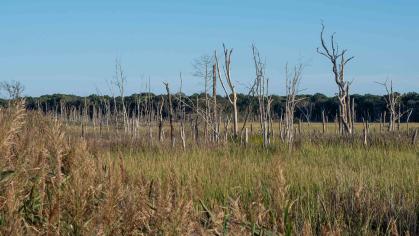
[(54, 182)]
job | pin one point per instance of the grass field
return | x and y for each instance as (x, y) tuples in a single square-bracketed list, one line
[(55, 182)]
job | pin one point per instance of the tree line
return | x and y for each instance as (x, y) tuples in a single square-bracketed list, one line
[(368, 106), (229, 107)]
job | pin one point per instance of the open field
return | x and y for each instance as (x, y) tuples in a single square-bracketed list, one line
[(54, 181), (209, 118)]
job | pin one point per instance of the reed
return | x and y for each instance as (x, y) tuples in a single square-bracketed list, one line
[(57, 182)]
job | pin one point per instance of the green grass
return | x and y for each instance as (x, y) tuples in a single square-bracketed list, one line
[(322, 180), (56, 182)]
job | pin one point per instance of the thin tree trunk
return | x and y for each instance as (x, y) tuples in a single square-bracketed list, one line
[(172, 135)]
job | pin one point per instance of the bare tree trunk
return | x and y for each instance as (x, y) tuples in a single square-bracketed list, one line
[(169, 96), (232, 98), (120, 80), (281, 128), (338, 60), (299, 126), (337, 126), (226, 128), (207, 115), (381, 123), (183, 135), (292, 81), (399, 116), (353, 115), (182, 121), (384, 117), (262, 91), (235, 118), (196, 131), (269, 118), (202, 70), (365, 132), (407, 120), (214, 98), (393, 107), (161, 119), (246, 139)]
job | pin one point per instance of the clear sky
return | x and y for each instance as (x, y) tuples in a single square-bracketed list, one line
[(56, 46)]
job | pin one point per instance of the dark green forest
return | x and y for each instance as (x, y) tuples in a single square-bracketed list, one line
[(367, 107)]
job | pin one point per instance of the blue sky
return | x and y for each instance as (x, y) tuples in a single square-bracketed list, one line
[(70, 46)]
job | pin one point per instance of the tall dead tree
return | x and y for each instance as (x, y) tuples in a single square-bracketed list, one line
[(149, 113), (120, 81), (182, 115), (393, 105), (292, 81), (202, 67), (324, 121), (265, 101), (339, 61), (169, 98), (214, 102), (14, 89), (306, 109), (160, 113), (407, 120), (232, 96)]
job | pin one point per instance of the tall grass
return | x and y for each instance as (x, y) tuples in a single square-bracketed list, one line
[(54, 182)]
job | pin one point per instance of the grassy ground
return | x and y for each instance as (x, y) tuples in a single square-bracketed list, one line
[(355, 190), (54, 182)]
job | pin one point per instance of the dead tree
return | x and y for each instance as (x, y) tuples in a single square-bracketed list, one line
[(196, 126), (232, 96), (113, 112), (393, 105), (252, 92), (214, 101), (202, 67), (161, 119), (292, 81), (182, 115), (169, 98), (306, 109), (262, 92), (120, 81), (407, 120), (339, 61), (14, 90), (149, 112), (324, 121), (365, 131)]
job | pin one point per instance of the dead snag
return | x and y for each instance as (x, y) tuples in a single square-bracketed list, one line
[(414, 137), (120, 81), (291, 83), (232, 96), (182, 114), (214, 100), (169, 97), (365, 132), (407, 120), (261, 87), (202, 68), (393, 106), (339, 61), (161, 119)]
